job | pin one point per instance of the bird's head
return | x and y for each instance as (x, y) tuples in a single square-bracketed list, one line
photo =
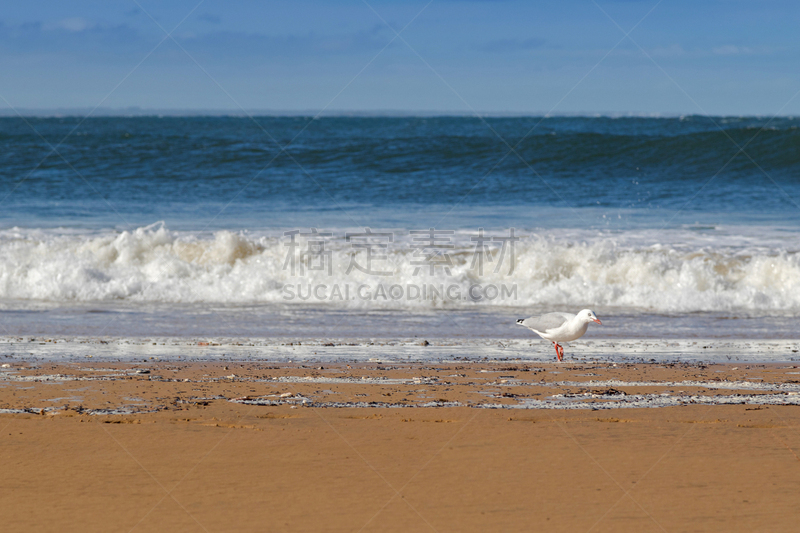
[(588, 316)]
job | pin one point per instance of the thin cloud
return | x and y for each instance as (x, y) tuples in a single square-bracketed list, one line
[(81, 38), (74, 24), (69, 36), (502, 46), (674, 50), (210, 18), (731, 50), (250, 45)]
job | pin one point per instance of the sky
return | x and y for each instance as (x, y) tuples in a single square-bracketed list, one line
[(724, 57)]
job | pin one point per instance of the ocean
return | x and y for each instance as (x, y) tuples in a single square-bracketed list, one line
[(388, 228)]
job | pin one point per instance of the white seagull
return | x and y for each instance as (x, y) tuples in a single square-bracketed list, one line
[(560, 327)]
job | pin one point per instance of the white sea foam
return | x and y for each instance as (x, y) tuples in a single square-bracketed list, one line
[(706, 269)]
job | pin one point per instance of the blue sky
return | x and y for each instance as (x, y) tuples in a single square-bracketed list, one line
[(717, 57)]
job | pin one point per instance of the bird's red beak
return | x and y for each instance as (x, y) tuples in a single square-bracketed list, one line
[(597, 320)]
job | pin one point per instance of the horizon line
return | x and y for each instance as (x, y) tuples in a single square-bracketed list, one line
[(136, 111)]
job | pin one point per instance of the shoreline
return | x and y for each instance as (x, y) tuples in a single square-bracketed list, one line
[(108, 388), (67, 349)]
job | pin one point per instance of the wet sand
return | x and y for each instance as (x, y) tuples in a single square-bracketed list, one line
[(399, 447)]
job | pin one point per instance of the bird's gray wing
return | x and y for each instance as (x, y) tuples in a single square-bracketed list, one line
[(545, 322)]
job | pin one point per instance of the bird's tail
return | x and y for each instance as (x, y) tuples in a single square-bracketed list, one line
[(520, 321)]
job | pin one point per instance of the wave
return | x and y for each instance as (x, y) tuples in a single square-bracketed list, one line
[(620, 163), (154, 264)]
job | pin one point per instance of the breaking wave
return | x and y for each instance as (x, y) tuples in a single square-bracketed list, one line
[(154, 264)]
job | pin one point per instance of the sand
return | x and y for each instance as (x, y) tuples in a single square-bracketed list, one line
[(390, 447)]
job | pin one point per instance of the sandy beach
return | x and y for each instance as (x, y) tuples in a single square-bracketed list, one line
[(399, 447)]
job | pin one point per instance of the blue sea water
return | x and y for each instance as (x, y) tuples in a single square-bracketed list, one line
[(178, 225), (223, 173)]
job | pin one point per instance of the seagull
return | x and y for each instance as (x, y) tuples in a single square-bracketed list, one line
[(560, 327)]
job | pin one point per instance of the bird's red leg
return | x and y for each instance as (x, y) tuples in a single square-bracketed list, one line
[(559, 351)]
